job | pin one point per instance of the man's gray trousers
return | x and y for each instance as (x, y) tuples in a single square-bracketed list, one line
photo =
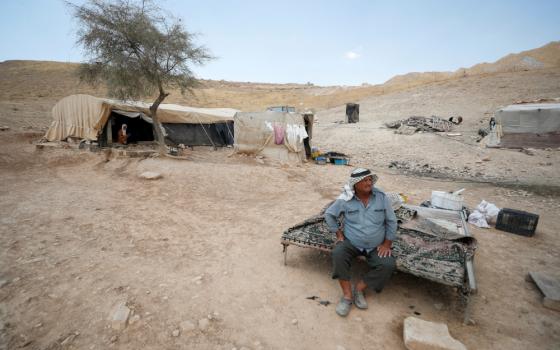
[(380, 268)]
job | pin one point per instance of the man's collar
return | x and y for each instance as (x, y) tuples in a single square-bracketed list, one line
[(371, 194)]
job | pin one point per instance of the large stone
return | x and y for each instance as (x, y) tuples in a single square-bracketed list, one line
[(550, 287), (150, 175), (119, 316), (424, 335)]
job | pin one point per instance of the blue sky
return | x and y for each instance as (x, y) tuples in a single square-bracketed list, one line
[(323, 42)]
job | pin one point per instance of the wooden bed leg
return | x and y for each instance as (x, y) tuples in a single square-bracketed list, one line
[(285, 251)]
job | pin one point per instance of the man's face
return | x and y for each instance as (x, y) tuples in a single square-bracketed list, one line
[(365, 185)]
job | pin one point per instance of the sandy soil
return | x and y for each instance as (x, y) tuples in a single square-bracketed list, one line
[(80, 232)]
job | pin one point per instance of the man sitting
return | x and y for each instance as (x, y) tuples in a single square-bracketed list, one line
[(369, 229)]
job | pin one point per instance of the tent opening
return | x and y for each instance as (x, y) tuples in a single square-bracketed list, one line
[(138, 128)]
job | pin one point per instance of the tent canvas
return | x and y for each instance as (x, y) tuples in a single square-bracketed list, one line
[(279, 135), (214, 134), (529, 125), (85, 116)]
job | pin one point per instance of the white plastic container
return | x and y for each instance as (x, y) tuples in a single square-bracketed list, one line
[(446, 200)]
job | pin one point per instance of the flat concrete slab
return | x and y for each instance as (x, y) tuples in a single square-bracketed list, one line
[(425, 335), (550, 287)]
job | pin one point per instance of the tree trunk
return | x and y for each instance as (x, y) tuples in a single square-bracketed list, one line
[(160, 139)]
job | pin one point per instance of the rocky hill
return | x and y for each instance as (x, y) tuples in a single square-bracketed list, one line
[(29, 89), (547, 56)]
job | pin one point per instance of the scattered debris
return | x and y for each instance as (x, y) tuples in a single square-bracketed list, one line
[(419, 334), (431, 124), (550, 287), (456, 120), (336, 158), (447, 200), (321, 302), (527, 151), (453, 134), (485, 213), (4, 128)]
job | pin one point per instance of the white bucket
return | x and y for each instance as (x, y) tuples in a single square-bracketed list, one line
[(446, 200)]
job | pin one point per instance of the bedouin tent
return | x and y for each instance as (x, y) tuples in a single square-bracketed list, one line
[(534, 125), (92, 118), (282, 136)]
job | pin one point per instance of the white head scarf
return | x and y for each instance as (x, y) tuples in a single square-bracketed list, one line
[(356, 176)]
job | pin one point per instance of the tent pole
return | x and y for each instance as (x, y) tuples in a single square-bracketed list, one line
[(109, 131)]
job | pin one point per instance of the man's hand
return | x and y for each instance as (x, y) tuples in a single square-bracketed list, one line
[(384, 249), (339, 237)]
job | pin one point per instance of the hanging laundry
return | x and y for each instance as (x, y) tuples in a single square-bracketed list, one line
[(278, 134)]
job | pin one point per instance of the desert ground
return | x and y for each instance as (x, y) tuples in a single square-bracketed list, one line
[(197, 256)]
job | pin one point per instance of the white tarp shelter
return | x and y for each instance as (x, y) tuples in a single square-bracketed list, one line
[(278, 135), (528, 125), (84, 116)]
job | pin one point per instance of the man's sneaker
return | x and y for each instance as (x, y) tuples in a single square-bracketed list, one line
[(343, 307), (359, 299)]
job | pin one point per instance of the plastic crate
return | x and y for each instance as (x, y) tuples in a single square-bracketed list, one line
[(341, 161), (517, 221)]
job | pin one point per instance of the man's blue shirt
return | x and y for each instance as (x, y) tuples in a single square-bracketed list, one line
[(366, 227)]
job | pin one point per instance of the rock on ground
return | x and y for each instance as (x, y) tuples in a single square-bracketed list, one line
[(187, 326), (119, 316), (424, 335), (150, 175), (203, 324)]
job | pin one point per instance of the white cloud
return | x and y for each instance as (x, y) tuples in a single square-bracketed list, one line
[(351, 55)]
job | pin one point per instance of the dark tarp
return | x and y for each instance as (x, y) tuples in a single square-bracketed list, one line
[(352, 112), (217, 134)]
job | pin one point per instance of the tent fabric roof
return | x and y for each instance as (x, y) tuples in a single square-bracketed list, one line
[(83, 116), (530, 107)]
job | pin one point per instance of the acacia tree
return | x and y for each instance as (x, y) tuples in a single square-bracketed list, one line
[(137, 51)]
